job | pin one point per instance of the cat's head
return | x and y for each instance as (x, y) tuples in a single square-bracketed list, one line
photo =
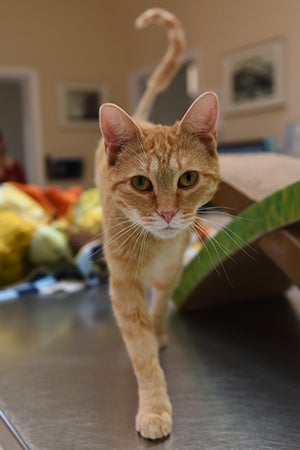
[(158, 176)]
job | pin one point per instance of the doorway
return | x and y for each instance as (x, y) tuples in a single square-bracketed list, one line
[(171, 104), (20, 120), (11, 118)]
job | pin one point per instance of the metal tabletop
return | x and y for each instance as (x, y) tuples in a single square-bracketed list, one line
[(66, 382)]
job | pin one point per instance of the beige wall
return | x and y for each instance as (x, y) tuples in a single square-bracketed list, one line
[(216, 27), (64, 41), (94, 41)]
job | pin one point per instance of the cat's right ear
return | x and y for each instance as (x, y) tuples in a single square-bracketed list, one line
[(117, 128)]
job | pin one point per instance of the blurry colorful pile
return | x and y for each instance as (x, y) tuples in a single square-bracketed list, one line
[(44, 227)]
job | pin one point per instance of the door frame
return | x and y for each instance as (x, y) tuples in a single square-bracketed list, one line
[(31, 118), (190, 57)]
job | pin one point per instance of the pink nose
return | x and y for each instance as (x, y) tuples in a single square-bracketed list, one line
[(167, 215)]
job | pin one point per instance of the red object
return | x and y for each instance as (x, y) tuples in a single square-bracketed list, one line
[(12, 171), (62, 200), (55, 201), (38, 195)]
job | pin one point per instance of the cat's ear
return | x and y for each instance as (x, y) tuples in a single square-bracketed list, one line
[(117, 128), (201, 118)]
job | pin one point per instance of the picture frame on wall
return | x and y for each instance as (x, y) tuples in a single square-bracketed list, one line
[(79, 104), (253, 77)]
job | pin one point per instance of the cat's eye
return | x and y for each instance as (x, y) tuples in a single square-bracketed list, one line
[(141, 183), (188, 179)]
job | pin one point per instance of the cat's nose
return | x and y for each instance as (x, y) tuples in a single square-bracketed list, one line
[(167, 214)]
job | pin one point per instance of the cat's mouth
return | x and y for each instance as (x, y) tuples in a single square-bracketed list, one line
[(168, 232), (169, 228)]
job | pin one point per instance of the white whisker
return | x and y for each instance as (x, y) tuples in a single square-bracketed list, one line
[(121, 233), (223, 213), (132, 251), (206, 249), (135, 230), (227, 231), (214, 244)]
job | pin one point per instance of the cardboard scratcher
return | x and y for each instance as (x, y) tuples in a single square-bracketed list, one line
[(258, 253)]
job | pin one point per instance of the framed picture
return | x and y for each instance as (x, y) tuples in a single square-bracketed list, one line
[(79, 104), (254, 77)]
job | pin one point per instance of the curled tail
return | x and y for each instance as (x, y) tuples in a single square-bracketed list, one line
[(167, 68)]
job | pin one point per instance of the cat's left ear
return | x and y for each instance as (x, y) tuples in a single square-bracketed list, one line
[(201, 118), (117, 128)]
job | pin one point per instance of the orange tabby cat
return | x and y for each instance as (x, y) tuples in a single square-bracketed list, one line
[(152, 180)]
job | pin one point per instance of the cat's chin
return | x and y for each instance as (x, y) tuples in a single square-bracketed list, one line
[(167, 232)]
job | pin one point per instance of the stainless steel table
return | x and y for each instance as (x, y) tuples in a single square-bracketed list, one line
[(66, 382)]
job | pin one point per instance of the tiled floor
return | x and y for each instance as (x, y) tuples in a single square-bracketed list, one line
[(233, 375)]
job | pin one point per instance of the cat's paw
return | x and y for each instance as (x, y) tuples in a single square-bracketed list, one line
[(154, 426)]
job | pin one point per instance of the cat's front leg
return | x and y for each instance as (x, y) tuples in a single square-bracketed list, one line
[(153, 419), (165, 277)]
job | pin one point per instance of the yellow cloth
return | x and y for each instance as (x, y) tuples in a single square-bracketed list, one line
[(15, 237)]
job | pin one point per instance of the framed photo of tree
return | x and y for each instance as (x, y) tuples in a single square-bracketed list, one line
[(79, 104), (253, 77)]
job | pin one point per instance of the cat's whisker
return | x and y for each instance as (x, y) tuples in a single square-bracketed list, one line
[(141, 236), (136, 230), (118, 224), (186, 221), (223, 213), (148, 220), (218, 208), (215, 245), (208, 252), (99, 235), (213, 242), (223, 248), (142, 233), (193, 230), (121, 233), (189, 217), (94, 237), (227, 231), (132, 252), (114, 218)]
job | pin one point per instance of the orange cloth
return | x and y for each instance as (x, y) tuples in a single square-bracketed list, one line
[(56, 201), (62, 200)]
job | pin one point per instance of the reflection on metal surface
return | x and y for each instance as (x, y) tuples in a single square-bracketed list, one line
[(233, 375), (9, 438)]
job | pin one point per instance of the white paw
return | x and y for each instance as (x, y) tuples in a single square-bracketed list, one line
[(154, 426)]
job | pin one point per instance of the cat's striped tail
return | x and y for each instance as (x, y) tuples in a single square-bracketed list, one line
[(168, 66)]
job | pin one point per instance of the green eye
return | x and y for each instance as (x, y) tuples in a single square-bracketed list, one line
[(141, 183), (188, 179)]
